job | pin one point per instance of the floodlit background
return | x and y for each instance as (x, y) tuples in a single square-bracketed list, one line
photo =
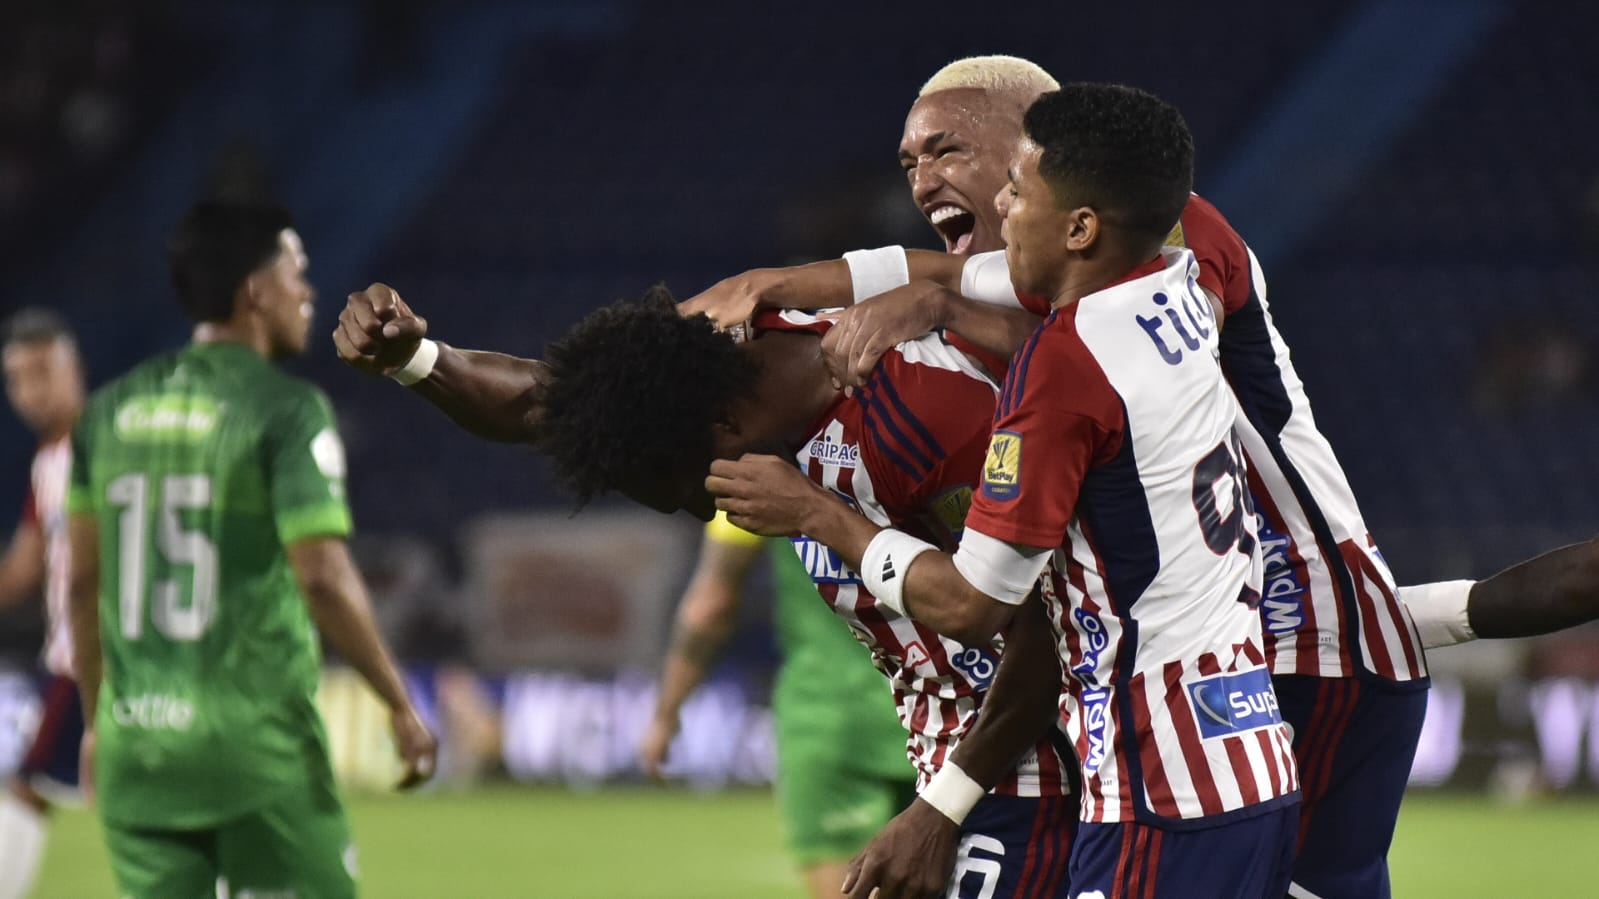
[(1420, 179)]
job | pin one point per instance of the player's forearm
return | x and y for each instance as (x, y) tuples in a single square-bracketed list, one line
[(934, 591), (701, 631), (994, 329), (1022, 702), (1554, 591), (815, 285), (941, 268), (491, 395), (339, 606), (22, 567)]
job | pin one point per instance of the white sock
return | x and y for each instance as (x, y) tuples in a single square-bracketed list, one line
[(21, 846)]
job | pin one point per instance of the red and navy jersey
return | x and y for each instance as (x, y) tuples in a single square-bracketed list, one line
[(1330, 607), (1113, 444), (906, 451), (46, 509)]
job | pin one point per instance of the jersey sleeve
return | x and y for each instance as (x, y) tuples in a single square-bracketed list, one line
[(1058, 417), (930, 430), (720, 530), (1223, 258), (306, 470), (986, 278)]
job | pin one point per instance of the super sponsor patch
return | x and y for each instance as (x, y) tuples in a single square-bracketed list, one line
[(1228, 704)]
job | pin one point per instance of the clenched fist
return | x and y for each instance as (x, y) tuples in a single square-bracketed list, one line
[(378, 333)]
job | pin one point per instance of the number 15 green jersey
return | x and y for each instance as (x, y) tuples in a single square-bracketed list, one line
[(199, 467)]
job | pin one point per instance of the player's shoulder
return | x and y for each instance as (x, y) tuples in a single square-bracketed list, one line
[(1202, 220)]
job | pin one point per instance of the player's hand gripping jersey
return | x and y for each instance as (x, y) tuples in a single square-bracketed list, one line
[(199, 467), (1113, 441), (906, 451)]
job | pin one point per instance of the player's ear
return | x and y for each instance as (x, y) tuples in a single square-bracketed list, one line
[(1082, 228)]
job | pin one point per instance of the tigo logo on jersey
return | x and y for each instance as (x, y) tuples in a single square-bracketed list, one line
[(1283, 606), (1095, 717), (822, 564), (828, 451), (1002, 471), (1227, 704)]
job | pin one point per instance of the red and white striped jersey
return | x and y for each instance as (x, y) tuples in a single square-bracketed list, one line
[(1113, 442), (1330, 607), (906, 451), (47, 508)]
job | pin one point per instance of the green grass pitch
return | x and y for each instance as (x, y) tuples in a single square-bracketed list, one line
[(508, 842)]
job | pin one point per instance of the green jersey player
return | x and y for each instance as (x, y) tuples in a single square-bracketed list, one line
[(208, 526), (842, 772)]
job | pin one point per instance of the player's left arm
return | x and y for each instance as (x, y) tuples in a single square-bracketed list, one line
[(1552, 592), (305, 477)]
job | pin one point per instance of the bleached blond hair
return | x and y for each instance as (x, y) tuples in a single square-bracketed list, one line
[(991, 73)]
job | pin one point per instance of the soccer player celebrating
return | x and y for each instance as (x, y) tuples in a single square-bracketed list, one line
[(639, 400), (208, 525), (1112, 454), (44, 381), (1343, 654)]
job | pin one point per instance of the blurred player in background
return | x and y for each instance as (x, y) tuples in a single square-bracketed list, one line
[(841, 772), (45, 384), (208, 525)]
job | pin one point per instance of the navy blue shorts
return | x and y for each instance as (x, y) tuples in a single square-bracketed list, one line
[(51, 764), (1015, 848), (1250, 858), (1355, 744)]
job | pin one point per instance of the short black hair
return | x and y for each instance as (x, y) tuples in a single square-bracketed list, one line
[(636, 393), (1123, 151), (34, 324), (215, 247)]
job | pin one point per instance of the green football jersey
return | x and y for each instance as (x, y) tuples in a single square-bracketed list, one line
[(828, 697), (199, 467)]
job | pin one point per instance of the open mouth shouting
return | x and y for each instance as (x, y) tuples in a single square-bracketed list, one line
[(954, 224)]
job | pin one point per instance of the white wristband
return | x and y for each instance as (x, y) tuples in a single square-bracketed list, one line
[(884, 565), (420, 364), (953, 792), (1439, 612), (872, 272)]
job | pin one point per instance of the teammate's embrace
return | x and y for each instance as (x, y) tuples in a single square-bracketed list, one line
[(208, 525)]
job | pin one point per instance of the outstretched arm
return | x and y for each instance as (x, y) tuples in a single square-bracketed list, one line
[(22, 567), (1552, 592), (491, 395), (823, 285), (705, 619)]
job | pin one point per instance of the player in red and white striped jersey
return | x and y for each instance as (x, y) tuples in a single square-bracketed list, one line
[(639, 400), (1113, 442), (44, 382), (905, 451)]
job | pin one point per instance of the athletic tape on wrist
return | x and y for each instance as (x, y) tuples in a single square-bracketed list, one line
[(1439, 611), (420, 365), (953, 792), (884, 565), (872, 272)]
